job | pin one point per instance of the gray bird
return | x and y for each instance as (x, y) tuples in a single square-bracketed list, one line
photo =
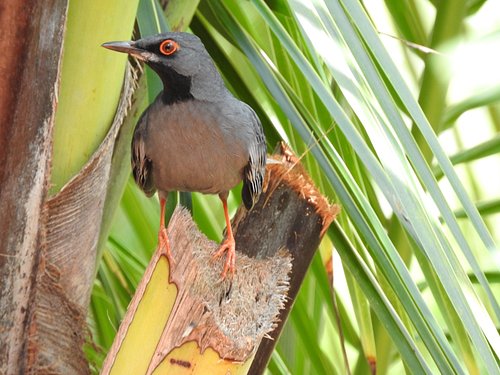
[(196, 136)]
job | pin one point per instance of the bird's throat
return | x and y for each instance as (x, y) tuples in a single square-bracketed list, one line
[(176, 87)]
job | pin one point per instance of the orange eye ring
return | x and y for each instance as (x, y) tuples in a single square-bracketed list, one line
[(169, 47)]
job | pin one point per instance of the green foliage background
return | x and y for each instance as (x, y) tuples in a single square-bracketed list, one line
[(393, 106)]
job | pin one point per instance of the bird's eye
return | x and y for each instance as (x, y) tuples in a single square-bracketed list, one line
[(168, 47)]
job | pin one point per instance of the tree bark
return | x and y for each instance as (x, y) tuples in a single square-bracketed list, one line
[(31, 45)]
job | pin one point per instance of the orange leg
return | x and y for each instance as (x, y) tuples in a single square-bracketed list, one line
[(228, 244), (163, 242)]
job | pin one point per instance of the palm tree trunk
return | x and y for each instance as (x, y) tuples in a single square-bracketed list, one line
[(32, 36)]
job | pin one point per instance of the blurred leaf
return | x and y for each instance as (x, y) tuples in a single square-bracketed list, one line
[(88, 95), (490, 207), (482, 150), (481, 99)]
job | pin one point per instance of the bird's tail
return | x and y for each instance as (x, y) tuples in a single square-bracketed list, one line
[(252, 187)]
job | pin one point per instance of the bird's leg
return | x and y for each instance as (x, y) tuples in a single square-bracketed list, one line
[(163, 242), (228, 244)]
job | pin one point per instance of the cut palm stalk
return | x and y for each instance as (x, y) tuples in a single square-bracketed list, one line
[(185, 319)]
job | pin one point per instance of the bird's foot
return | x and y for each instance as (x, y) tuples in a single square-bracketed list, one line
[(228, 245), (164, 244)]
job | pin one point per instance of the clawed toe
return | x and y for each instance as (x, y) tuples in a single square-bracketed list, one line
[(229, 264)]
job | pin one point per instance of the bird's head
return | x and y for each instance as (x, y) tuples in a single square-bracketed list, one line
[(180, 60)]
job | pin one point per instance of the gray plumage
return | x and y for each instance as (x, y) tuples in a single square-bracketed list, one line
[(195, 136)]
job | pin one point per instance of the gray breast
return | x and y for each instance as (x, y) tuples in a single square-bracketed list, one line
[(197, 146)]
